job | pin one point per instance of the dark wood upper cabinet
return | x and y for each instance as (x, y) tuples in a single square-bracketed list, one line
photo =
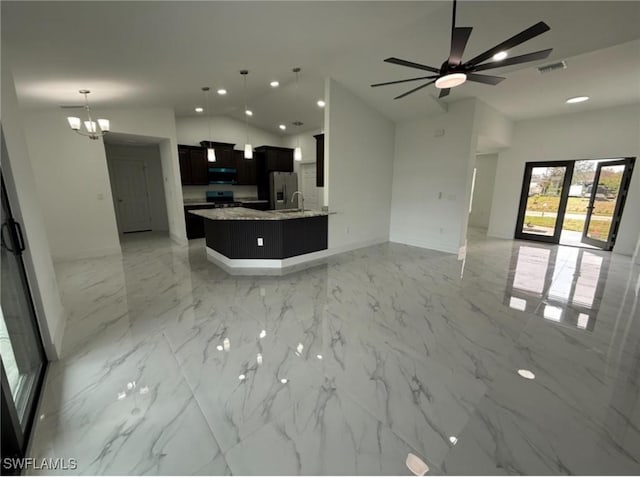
[(275, 158), (246, 169), (199, 166), (193, 165), (184, 158), (225, 156), (319, 160)]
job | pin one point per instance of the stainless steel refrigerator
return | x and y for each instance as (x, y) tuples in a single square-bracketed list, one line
[(282, 185)]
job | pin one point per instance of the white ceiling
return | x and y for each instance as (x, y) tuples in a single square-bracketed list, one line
[(161, 53)]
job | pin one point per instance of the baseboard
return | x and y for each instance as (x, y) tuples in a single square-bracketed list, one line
[(440, 247), (356, 245), (105, 252)]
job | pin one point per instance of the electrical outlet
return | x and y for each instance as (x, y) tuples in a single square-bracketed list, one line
[(260, 242)]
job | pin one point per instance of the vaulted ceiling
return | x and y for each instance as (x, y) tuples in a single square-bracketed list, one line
[(152, 54)]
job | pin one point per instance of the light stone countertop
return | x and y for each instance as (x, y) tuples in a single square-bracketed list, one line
[(242, 213)]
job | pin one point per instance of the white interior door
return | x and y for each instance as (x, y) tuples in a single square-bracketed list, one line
[(131, 195), (309, 189)]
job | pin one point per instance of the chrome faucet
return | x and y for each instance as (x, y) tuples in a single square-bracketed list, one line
[(301, 197)]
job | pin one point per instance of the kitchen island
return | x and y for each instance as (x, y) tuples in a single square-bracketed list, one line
[(270, 242)]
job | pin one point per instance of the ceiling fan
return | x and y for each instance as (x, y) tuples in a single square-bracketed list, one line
[(454, 72)]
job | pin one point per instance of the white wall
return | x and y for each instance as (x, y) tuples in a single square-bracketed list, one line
[(190, 131), (605, 133), (432, 174), (494, 129), (483, 190), (27, 209), (73, 184), (150, 157), (359, 159), (73, 187)]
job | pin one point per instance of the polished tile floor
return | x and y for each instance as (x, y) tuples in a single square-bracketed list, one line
[(173, 367)]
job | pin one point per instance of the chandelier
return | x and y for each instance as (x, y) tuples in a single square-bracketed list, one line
[(93, 130)]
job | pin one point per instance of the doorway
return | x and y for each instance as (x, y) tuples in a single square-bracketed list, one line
[(130, 195), (23, 361), (577, 203)]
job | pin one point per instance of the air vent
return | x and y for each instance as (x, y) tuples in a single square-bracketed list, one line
[(561, 65), (64, 106)]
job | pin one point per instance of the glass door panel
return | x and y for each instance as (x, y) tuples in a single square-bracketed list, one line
[(607, 194), (23, 359), (543, 201)]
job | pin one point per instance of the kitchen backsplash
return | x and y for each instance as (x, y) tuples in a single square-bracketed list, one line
[(199, 192)]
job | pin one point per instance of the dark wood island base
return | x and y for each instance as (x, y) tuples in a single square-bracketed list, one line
[(250, 242)]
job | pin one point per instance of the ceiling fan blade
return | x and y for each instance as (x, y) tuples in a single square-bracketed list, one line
[(485, 79), (531, 32), (458, 43), (402, 81), (516, 60), (444, 92), (398, 61), (414, 90)]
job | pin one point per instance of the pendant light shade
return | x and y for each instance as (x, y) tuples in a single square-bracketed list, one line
[(248, 151), (74, 123), (248, 148), (297, 151), (211, 152)]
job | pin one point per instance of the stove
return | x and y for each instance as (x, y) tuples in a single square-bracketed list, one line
[(222, 199)]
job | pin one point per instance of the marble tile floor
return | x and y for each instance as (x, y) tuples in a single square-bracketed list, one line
[(171, 366)]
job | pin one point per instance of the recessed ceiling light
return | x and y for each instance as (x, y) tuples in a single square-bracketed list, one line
[(284, 380), (222, 91), (453, 440), (501, 55), (248, 112), (577, 99), (242, 377), (319, 356), (283, 127), (525, 373), (274, 84), (321, 103), (199, 109)]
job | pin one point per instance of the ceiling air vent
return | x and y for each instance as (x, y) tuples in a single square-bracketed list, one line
[(561, 65)]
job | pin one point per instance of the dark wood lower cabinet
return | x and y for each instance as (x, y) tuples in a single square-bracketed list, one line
[(195, 224)]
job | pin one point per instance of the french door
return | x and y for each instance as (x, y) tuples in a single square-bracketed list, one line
[(23, 361), (545, 191), (608, 195)]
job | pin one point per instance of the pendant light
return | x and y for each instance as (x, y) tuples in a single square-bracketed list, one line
[(297, 152), (211, 152), (93, 131), (248, 148)]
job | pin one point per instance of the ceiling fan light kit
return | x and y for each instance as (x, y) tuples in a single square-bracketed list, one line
[(451, 80), (454, 72)]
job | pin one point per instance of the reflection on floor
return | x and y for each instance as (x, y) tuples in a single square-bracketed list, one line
[(174, 367), (570, 237)]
